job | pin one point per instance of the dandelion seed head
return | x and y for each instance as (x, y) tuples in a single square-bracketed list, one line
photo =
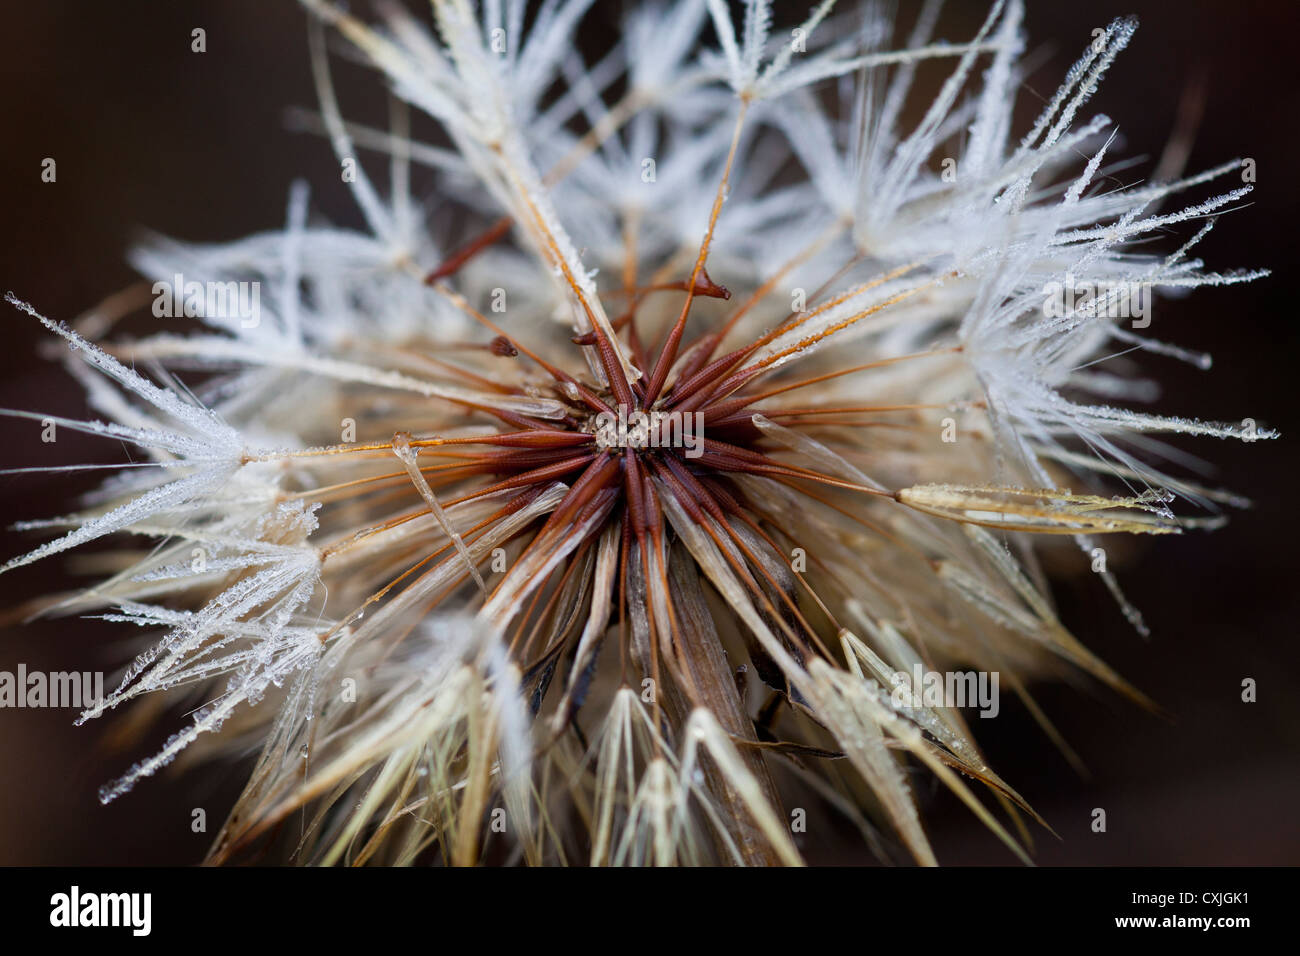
[(597, 530)]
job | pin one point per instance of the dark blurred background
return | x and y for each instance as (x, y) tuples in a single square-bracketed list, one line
[(149, 135)]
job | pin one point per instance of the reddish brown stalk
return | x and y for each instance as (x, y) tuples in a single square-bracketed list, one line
[(733, 458), (537, 438), (704, 286), (636, 507), (718, 513), (584, 492), (699, 507), (613, 369), (548, 473), (803, 383), (453, 263), (668, 354), (588, 397), (624, 548), (744, 415), (800, 318), (697, 385), (741, 377), (706, 344), (734, 508)]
